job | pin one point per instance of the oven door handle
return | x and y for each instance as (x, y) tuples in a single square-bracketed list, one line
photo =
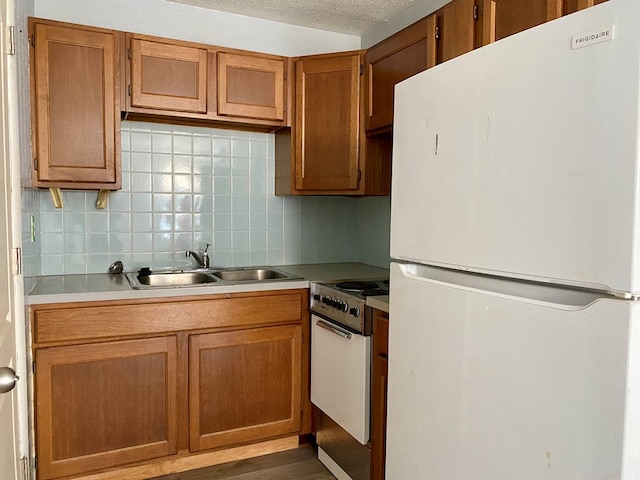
[(333, 329)]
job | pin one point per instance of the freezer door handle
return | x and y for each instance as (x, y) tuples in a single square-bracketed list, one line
[(333, 329)]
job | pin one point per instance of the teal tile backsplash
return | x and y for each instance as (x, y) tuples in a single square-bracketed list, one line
[(183, 187)]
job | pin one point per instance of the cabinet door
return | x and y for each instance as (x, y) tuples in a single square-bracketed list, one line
[(250, 86), (399, 57), (455, 29), (168, 77), (244, 386), (327, 123), (571, 6), (76, 108), (506, 17), (103, 405), (379, 383)]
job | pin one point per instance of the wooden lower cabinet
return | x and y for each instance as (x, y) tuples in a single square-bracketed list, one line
[(244, 385), (106, 404), (379, 394), (188, 376)]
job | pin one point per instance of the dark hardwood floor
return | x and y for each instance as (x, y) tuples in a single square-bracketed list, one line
[(299, 464)]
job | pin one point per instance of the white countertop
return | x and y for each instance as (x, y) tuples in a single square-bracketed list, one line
[(380, 302), (102, 286)]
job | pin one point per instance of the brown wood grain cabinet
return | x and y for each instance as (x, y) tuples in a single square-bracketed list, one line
[(75, 82), (175, 81), (571, 6), (167, 76), (326, 152), (457, 29), (328, 96), (396, 58), (502, 18), (379, 394), (251, 86), (244, 385), (102, 405), (189, 375)]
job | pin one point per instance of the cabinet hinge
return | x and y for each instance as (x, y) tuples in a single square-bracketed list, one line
[(359, 174), (16, 261), (437, 33), (361, 69), (35, 463), (35, 164), (475, 12), (32, 39), (129, 89), (12, 43), (33, 367), (129, 54)]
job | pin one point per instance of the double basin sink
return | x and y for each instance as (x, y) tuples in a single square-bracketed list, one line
[(187, 278)]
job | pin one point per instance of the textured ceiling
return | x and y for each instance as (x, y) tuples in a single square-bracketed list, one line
[(343, 16)]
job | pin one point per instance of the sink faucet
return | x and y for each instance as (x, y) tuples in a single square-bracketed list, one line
[(202, 262)]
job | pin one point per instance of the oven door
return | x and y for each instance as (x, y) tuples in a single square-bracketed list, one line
[(340, 376)]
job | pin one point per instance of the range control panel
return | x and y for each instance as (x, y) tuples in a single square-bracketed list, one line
[(338, 306)]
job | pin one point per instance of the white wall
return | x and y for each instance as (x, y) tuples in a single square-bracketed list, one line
[(185, 22)]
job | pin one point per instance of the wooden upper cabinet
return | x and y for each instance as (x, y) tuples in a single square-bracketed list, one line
[(251, 86), (170, 77), (244, 386), (456, 29), (571, 6), (327, 122), (502, 18), (105, 404), (396, 58), (75, 81)]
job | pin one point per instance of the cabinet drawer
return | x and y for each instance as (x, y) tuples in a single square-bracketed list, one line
[(96, 320)]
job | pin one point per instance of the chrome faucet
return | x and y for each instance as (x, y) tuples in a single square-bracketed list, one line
[(202, 262)]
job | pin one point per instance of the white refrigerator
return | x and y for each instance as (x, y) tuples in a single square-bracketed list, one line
[(514, 343)]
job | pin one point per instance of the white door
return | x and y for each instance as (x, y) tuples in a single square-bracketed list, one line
[(10, 299), (490, 381), (521, 158)]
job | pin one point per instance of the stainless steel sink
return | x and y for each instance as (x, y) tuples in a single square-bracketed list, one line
[(250, 274), (181, 278), (170, 279)]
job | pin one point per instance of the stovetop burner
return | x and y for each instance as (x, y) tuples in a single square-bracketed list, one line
[(344, 302), (357, 286)]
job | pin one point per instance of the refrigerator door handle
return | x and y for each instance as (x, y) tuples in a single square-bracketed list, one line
[(550, 295)]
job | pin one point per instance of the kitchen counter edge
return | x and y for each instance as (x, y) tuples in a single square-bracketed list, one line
[(104, 287)]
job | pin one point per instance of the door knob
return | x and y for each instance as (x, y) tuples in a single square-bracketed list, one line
[(8, 379)]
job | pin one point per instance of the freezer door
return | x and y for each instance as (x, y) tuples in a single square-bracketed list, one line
[(520, 158), (507, 384)]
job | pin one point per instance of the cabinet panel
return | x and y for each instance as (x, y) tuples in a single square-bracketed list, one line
[(571, 6), (379, 384), (81, 322), (104, 405), (250, 86), (506, 17), (456, 26), (244, 386), (327, 123), (168, 77), (76, 115), (399, 57)]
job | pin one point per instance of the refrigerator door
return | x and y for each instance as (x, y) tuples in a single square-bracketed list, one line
[(521, 158), (493, 380)]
